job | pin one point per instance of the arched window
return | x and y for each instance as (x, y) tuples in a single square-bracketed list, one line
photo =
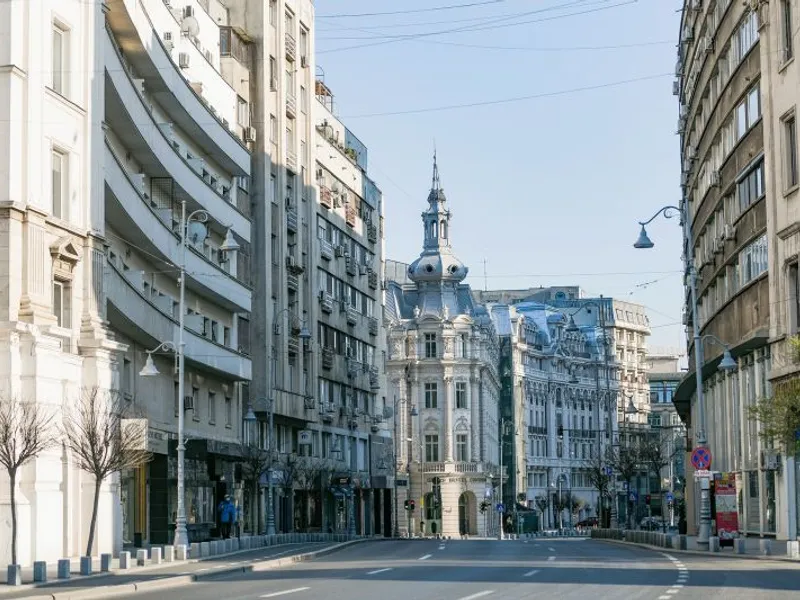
[(434, 229), (443, 229)]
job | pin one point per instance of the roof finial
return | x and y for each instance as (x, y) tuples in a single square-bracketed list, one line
[(435, 182)]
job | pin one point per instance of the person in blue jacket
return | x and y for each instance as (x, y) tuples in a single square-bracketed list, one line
[(227, 515)]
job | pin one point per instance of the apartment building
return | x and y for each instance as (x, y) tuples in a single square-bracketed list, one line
[(726, 169), (443, 372)]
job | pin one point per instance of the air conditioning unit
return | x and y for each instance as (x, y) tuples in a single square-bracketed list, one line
[(729, 233), (681, 124), (291, 262), (676, 87), (339, 251), (183, 60), (715, 178), (304, 61), (249, 134), (678, 68), (362, 269), (691, 151), (707, 45), (719, 245), (688, 35)]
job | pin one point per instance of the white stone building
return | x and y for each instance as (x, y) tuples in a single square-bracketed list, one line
[(442, 373)]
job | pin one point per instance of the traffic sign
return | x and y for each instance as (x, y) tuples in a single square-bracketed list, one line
[(702, 474), (633, 496), (501, 508), (670, 496), (608, 471), (701, 459)]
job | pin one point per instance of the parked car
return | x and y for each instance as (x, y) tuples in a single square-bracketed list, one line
[(590, 522)]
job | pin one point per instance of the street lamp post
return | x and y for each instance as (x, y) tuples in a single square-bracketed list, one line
[(644, 242), (398, 402), (149, 370)]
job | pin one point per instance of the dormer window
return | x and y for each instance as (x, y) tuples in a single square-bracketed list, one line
[(430, 345)]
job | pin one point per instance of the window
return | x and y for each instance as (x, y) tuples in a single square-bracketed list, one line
[(273, 12), (431, 448), (748, 111), (62, 303), (242, 112), (751, 187), (303, 44), (430, 345), (790, 151), (60, 197), (464, 351), (787, 32), (195, 404), (60, 38), (431, 395), (303, 99), (461, 394), (273, 129), (462, 449), (753, 260), (212, 408), (273, 74), (794, 298), (228, 411)]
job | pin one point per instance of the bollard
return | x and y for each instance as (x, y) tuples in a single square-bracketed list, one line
[(141, 557), (40, 571), (155, 555), (195, 550), (766, 547), (169, 553), (63, 568), (181, 552), (205, 549), (740, 546), (105, 562), (793, 549), (713, 544), (14, 576), (125, 560), (86, 565)]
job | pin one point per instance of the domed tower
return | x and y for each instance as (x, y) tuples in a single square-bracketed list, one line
[(437, 272)]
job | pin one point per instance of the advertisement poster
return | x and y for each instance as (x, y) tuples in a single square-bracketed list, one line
[(725, 505)]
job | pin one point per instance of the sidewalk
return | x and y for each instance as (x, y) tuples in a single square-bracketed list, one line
[(165, 575)]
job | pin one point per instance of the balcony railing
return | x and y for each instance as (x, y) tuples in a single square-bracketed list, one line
[(372, 233), (352, 315), (291, 105), (327, 358), (292, 282), (291, 46), (325, 197), (291, 220), (373, 280), (350, 215), (325, 249), (373, 326), (326, 302), (291, 161)]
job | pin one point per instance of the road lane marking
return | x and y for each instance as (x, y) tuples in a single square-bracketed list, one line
[(552, 549), (478, 595), (672, 591), (285, 592), (551, 558), (665, 598), (677, 587), (379, 571), (531, 573), (426, 557)]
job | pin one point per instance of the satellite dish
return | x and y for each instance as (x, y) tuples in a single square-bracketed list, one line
[(198, 232), (190, 26)]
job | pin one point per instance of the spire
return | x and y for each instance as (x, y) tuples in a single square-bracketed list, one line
[(435, 183)]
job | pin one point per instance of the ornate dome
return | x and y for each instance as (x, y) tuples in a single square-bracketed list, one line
[(437, 267)]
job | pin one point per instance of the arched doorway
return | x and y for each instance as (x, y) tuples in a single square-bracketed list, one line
[(467, 513)]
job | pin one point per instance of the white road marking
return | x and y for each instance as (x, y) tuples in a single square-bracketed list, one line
[(206, 569), (551, 558), (552, 549), (673, 591), (665, 598), (679, 586), (478, 595), (380, 571), (531, 573), (285, 592), (426, 557)]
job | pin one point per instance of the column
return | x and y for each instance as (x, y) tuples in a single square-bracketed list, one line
[(473, 402), (448, 417)]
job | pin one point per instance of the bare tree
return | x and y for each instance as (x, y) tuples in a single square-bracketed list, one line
[(626, 460), (103, 439), (597, 470), (256, 463), (562, 502), (310, 472), (26, 430), (657, 451), (541, 503)]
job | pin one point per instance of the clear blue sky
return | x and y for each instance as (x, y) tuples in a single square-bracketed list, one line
[(548, 190)]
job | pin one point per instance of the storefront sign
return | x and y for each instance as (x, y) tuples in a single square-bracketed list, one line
[(157, 441), (725, 505)]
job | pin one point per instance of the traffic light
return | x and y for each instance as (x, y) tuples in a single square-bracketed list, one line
[(560, 431), (405, 504), (647, 499), (412, 505)]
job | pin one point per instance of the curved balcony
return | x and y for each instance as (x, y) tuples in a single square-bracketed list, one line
[(133, 123), (132, 22), (128, 212), (135, 316)]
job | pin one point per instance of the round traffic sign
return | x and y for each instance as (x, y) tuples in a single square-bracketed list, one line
[(701, 459), (500, 508)]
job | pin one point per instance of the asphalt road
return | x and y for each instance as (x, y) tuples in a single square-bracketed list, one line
[(469, 570), (134, 575)]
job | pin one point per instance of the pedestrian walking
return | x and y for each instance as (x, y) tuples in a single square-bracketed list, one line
[(227, 515)]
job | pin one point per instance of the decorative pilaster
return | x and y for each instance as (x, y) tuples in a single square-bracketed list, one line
[(473, 402), (448, 417)]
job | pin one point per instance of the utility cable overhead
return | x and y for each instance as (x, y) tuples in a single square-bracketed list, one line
[(411, 10), (496, 24), (510, 100)]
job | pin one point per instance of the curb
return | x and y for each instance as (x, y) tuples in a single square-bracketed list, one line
[(702, 552), (167, 581)]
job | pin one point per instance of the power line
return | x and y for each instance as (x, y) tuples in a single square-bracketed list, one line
[(551, 49), (495, 24), (411, 11), (512, 99)]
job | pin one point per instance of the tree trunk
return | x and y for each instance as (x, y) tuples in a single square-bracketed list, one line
[(12, 477), (90, 542), (663, 513)]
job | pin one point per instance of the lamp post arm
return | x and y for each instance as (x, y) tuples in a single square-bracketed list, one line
[(668, 214)]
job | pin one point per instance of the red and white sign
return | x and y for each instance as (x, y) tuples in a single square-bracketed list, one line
[(725, 506), (701, 459)]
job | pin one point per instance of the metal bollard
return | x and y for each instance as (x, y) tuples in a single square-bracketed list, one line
[(155, 555), (14, 576), (86, 565), (141, 557), (169, 553), (181, 552), (40, 571), (64, 568), (740, 546), (105, 562)]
